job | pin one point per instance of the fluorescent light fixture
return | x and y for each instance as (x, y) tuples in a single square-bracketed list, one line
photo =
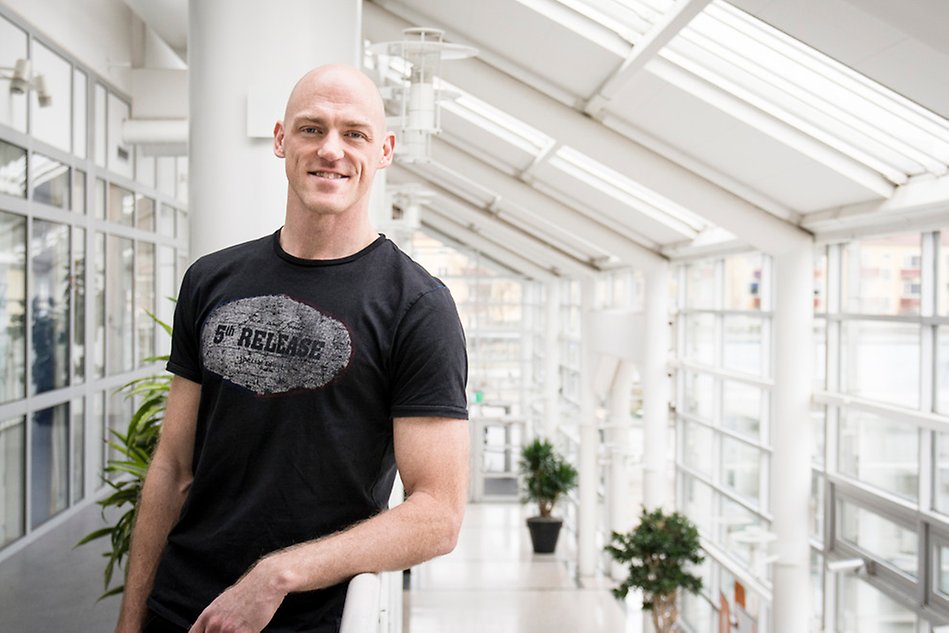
[(22, 79)]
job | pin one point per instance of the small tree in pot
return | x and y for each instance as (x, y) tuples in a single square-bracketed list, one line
[(657, 552), (547, 475)]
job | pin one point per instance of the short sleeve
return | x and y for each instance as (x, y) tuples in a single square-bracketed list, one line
[(429, 360), (185, 359)]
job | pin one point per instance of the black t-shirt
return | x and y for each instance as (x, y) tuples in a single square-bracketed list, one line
[(303, 364)]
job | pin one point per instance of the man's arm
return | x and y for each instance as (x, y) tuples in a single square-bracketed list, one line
[(432, 457), (163, 493)]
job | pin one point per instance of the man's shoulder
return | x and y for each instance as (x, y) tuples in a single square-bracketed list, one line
[(242, 252)]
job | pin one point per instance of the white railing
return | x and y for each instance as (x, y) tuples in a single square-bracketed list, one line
[(362, 607)]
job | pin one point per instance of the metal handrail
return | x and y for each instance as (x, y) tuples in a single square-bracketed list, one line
[(361, 609)]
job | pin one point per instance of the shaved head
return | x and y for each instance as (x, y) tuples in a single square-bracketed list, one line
[(338, 83)]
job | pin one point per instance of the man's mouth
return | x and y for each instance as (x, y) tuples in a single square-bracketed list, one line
[(328, 174)]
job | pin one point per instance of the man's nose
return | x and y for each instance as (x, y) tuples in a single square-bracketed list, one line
[(331, 148)]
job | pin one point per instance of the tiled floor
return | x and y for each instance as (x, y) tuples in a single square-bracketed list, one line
[(492, 583)]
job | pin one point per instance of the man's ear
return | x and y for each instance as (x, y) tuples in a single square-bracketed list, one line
[(278, 139), (388, 150)]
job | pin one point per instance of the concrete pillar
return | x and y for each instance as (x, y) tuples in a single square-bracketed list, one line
[(589, 441), (790, 436), (244, 57), (656, 386)]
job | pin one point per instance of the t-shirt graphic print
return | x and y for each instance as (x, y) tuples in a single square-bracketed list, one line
[(275, 344)]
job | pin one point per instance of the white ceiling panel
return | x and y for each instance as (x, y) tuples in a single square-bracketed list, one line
[(469, 134), (717, 138), (517, 32)]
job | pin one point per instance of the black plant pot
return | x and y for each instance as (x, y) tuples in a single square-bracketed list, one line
[(544, 532)]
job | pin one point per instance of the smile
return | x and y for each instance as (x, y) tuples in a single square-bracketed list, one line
[(328, 174)]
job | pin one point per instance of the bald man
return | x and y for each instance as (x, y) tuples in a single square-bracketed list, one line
[(309, 365)]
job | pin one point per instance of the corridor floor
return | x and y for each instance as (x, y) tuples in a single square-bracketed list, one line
[(494, 583)]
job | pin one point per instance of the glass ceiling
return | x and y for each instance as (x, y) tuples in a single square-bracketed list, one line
[(795, 83)]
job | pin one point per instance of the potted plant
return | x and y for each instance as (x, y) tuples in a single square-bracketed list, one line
[(126, 472), (547, 475), (657, 553)]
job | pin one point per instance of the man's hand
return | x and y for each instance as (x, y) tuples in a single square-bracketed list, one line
[(245, 607)]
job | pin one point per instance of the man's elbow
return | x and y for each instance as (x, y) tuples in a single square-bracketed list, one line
[(450, 528)]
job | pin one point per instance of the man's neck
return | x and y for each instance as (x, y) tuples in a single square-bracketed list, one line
[(326, 237)]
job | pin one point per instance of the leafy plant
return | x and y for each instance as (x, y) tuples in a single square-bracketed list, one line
[(547, 475), (126, 473), (657, 553)]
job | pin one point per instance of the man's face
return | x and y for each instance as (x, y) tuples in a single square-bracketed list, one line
[(333, 139)]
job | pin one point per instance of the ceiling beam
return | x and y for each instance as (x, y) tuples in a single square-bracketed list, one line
[(463, 236), (485, 223), (663, 176), (538, 209), (645, 50)]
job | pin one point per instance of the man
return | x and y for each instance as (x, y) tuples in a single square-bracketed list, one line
[(308, 364)]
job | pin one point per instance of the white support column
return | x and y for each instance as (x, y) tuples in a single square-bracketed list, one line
[(790, 436), (622, 506), (551, 360), (244, 57), (589, 442), (656, 386)]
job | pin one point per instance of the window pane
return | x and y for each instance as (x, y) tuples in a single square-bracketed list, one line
[(741, 408), (816, 509), (700, 338), (700, 285), (696, 447), (742, 530), (880, 537), (818, 426), (50, 181), (77, 464), (743, 282), (12, 306), (165, 174), (144, 301), (52, 123), (941, 495), (942, 569), (78, 191), (12, 48), (51, 293), (98, 301), (49, 468), (119, 155), (98, 142), (12, 170), (743, 344), (79, 303), (181, 179), (166, 221), (119, 300), (120, 410), (144, 213), (943, 272), (79, 138), (741, 468), (696, 612), (12, 468), (98, 210), (942, 369), (879, 452), (699, 396), (820, 280), (817, 586), (882, 275), (864, 609), (820, 354), (121, 205), (881, 361), (697, 502), (184, 232)]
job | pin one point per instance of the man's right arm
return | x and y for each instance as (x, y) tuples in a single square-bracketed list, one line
[(163, 494)]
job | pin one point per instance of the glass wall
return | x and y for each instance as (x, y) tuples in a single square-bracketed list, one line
[(66, 348)]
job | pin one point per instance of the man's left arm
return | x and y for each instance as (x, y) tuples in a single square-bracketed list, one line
[(432, 457)]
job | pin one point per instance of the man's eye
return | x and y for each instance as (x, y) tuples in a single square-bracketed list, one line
[(310, 130), (359, 135)]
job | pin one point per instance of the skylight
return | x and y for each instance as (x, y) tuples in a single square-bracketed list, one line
[(630, 19), (627, 191), (812, 92)]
